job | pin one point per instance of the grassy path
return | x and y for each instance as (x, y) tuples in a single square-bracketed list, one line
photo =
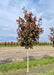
[(42, 69), (36, 66)]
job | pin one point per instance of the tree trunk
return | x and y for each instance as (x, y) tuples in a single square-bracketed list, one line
[(27, 61)]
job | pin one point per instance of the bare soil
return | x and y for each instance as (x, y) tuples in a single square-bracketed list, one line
[(17, 54)]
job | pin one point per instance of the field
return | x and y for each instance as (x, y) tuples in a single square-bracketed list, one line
[(18, 54)]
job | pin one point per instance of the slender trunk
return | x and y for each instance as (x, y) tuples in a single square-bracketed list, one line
[(27, 60)]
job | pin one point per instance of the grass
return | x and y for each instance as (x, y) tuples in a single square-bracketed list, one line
[(16, 73), (47, 73), (23, 65)]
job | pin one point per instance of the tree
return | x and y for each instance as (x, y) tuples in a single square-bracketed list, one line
[(28, 31), (51, 37)]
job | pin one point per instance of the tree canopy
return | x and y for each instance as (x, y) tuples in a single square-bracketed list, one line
[(28, 30), (52, 34)]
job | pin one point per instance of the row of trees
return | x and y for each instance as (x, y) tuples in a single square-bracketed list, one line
[(18, 44), (9, 43)]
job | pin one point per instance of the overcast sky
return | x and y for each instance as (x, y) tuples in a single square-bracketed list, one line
[(10, 10)]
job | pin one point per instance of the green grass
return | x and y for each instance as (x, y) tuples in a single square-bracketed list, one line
[(47, 73), (23, 65), (14, 73)]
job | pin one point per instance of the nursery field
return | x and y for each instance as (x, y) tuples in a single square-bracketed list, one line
[(12, 60), (18, 54)]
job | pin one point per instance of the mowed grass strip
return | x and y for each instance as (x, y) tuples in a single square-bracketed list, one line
[(23, 65)]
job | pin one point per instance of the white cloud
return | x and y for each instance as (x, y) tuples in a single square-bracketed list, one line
[(8, 29)]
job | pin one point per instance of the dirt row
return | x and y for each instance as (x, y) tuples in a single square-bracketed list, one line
[(17, 54)]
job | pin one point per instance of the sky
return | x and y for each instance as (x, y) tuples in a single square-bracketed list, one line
[(10, 10)]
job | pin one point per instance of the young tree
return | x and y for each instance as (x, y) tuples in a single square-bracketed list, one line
[(28, 31), (52, 35)]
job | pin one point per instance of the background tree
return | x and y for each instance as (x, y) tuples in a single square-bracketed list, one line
[(52, 35), (28, 31)]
